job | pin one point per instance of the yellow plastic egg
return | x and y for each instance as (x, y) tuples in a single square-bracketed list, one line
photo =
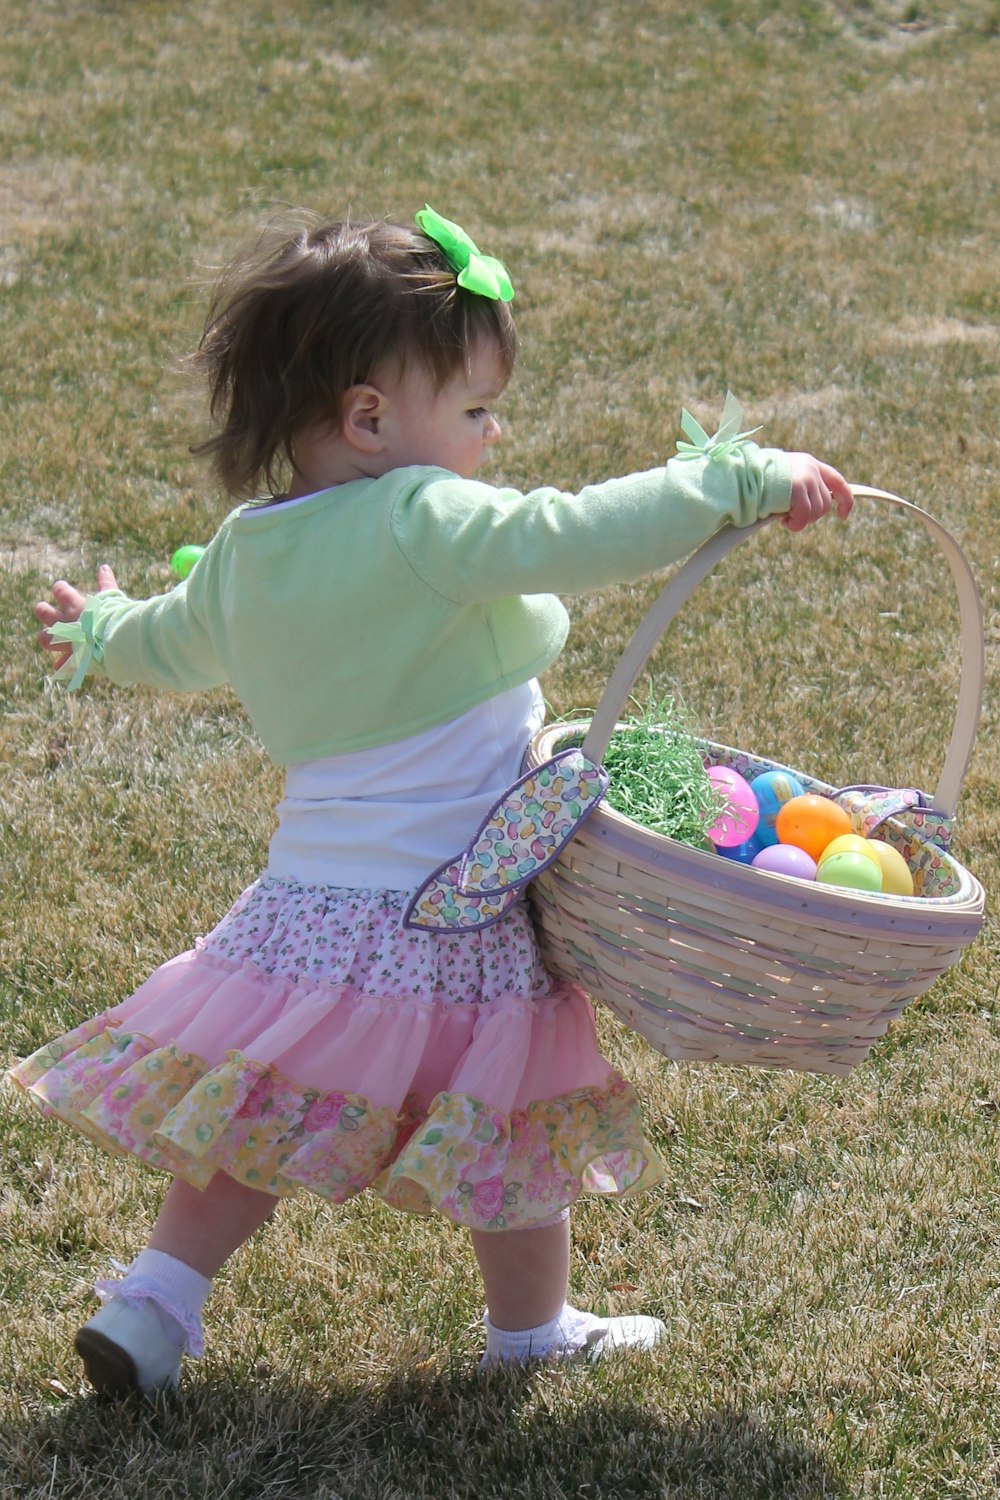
[(896, 877), (848, 843)]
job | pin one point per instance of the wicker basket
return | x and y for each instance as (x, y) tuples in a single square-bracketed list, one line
[(713, 961)]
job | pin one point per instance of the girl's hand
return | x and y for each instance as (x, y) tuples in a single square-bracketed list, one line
[(67, 608), (815, 488)]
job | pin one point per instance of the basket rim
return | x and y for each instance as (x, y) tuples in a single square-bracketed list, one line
[(767, 889)]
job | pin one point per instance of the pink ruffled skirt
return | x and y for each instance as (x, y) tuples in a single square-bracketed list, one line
[(313, 1042)]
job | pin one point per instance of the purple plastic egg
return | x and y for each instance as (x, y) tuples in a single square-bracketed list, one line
[(786, 859)]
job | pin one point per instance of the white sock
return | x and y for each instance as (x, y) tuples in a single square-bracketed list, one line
[(563, 1334), (175, 1288), (185, 1287)]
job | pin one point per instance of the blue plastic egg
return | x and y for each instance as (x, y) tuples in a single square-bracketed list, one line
[(772, 790), (744, 853)]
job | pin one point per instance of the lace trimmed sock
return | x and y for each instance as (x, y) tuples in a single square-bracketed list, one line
[(176, 1289), (561, 1336)]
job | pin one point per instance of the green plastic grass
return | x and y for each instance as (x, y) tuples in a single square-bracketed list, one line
[(658, 775)]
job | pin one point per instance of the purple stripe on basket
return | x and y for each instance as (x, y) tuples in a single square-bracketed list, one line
[(756, 993), (843, 1052), (733, 947), (760, 1033)]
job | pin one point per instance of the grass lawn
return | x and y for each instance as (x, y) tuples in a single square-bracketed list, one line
[(795, 200)]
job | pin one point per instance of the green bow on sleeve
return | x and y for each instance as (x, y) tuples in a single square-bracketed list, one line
[(86, 647), (726, 440), (482, 274)]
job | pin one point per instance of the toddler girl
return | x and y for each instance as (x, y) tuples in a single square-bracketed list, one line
[(382, 616)]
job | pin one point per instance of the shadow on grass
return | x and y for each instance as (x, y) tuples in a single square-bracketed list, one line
[(441, 1436)]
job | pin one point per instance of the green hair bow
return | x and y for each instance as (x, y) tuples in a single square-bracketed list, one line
[(482, 274)]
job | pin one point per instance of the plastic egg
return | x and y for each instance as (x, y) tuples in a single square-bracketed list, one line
[(896, 877), (849, 843), (811, 822), (772, 790), (743, 853), (184, 560), (786, 859), (740, 819), (856, 871)]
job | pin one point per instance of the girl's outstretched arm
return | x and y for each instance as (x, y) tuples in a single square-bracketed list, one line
[(167, 642), (68, 607)]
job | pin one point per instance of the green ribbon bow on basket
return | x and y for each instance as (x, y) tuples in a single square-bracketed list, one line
[(726, 440), (482, 274)]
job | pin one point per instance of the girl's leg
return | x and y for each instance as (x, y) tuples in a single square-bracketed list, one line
[(526, 1276), (151, 1316), (203, 1228), (525, 1273)]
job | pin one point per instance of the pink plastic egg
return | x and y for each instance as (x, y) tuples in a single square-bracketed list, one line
[(740, 819)]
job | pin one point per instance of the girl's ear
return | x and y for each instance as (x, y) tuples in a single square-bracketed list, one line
[(362, 410)]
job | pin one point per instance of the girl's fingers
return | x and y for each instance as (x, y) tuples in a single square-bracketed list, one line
[(810, 501), (816, 489), (61, 651), (68, 607), (841, 495), (69, 599)]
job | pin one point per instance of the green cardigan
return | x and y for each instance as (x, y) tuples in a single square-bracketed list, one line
[(381, 607)]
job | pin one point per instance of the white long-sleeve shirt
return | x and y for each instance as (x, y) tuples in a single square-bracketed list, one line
[(385, 818)]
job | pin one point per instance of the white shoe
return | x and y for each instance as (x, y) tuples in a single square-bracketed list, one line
[(636, 1332), (131, 1346)]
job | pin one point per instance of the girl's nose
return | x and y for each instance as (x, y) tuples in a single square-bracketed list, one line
[(491, 431)]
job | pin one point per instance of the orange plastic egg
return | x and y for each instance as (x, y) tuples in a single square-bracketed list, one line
[(811, 822)]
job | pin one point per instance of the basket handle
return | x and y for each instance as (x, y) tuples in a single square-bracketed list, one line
[(654, 624)]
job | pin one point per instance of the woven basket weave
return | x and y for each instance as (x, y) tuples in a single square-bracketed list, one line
[(713, 961)]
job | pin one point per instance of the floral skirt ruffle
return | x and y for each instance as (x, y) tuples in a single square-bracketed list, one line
[(312, 1042)]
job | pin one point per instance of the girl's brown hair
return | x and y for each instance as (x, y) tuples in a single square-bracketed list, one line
[(306, 314)]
